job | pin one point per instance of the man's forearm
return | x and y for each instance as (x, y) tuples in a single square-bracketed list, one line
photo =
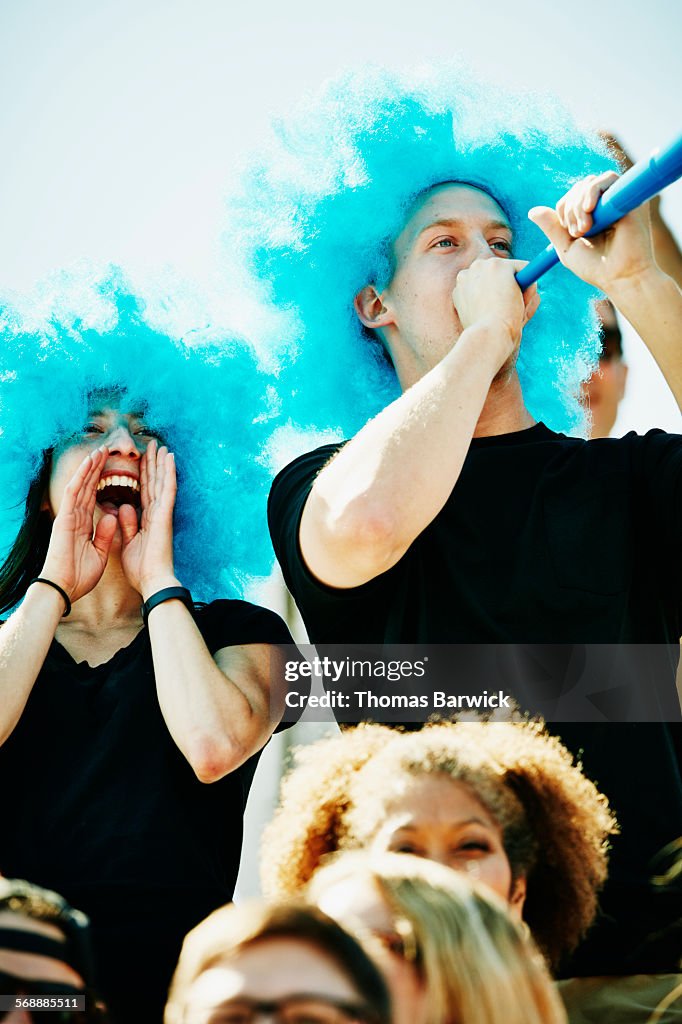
[(25, 639), (666, 249), (652, 303), (387, 484)]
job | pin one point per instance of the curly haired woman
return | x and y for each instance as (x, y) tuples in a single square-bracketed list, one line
[(502, 801)]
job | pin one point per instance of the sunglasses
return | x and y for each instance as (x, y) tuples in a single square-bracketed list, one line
[(295, 1009), (611, 345)]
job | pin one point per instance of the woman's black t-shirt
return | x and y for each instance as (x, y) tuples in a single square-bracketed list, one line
[(101, 806)]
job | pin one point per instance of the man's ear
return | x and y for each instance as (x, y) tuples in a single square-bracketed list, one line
[(370, 308), (623, 380)]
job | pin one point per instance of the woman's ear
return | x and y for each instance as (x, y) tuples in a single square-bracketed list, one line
[(43, 482), (370, 308), (517, 898), (45, 503)]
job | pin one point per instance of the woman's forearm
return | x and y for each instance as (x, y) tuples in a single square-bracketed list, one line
[(218, 716), (25, 639)]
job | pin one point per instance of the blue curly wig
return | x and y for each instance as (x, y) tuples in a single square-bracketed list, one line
[(318, 208), (87, 332)]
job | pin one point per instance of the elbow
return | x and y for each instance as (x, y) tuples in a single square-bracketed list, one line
[(367, 526), (347, 545), (209, 771), (367, 538), (211, 761)]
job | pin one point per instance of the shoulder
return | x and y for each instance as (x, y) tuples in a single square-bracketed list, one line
[(656, 454), (301, 473), (227, 623), (658, 441), (632, 453), (288, 496), (653, 440)]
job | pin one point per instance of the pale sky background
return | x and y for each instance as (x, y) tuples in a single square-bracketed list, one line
[(120, 119)]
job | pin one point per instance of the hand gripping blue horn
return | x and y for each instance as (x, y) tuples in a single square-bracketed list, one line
[(644, 179)]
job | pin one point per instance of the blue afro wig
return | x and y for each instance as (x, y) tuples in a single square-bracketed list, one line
[(89, 332), (318, 207)]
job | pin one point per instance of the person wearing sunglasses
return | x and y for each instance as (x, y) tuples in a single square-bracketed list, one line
[(605, 389), (285, 963), (46, 971)]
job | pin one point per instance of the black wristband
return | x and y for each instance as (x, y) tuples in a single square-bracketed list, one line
[(167, 594), (51, 583)]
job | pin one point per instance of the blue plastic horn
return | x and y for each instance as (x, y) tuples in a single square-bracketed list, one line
[(645, 179)]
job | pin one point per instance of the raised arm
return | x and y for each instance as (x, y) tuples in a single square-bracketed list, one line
[(75, 562), (621, 262), (666, 249), (384, 487), (217, 709)]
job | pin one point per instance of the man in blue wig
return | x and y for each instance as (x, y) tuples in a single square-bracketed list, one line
[(388, 217)]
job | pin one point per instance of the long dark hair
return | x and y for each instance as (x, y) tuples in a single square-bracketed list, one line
[(27, 555)]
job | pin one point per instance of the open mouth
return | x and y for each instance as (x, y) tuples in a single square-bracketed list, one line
[(117, 489)]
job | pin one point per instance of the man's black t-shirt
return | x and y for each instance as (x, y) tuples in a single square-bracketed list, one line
[(101, 806), (545, 540)]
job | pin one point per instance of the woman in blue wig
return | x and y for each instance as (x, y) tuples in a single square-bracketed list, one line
[(122, 693), (386, 218)]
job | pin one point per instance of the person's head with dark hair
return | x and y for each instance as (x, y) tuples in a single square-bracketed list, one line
[(605, 389), (44, 951), (89, 344), (287, 959)]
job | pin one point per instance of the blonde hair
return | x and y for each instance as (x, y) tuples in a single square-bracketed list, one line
[(477, 964), (555, 824)]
